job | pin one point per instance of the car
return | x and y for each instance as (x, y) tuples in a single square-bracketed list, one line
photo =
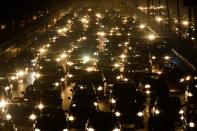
[(191, 120), (5, 87), (32, 94), (98, 81), (51, 119), (128, 103), (83, 102), (190, 94), (49, 98), (165, 113), (84, 95), (83, 84), (78, 114), (103, 121), (6, 125), (161, 52), (50, 70), (20, 112)]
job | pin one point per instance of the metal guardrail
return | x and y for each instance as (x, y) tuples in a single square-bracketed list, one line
[(184, 60)]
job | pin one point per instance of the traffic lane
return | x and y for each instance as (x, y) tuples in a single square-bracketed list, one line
[(22, 85), (103, 105)]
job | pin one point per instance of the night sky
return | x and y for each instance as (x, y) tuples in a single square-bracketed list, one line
[(12, 9)]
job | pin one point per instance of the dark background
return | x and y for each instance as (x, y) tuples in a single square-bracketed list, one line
[(18, 9)]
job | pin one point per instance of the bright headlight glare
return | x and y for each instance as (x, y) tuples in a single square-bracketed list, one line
[(65, 130), (116, 129), (70, 75), (8, 117), (32, 117), (90, 129), (153, 57), (100, 88), (191, 124), (37, 129), (189, 94), (166, 57), (7, 88), (113, 101), (181, 111), (118, 77), (95, 104), (40, 106), (140, 114), (71, 118), (147, 86), (182, 117), (148, 92), (37, 75), (157, 111), (3, 103), (13, 77), (57, 84), (70, 63), (117, 114), (86, 59), (20, 73), (62, 79)]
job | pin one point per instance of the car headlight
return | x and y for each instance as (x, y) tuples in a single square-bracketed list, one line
[(95, 104), (8, 117), (192, 124), (62, 79), (181, 111), (117, 113), (182, 117), (166, 57), (153, 57), (65, 130), (147, 86), (148, 92), (70, 63), (157, 112), (7, 88), (3, 103), (37, 129), (70, 75), (189, 94), (32, 117), (113, 101), (140, 114), (37, 75), (20, 73), (71, 118), (13, 78), (116, 129), (57, 83), (100, 88), (40, 106), (90, 129)]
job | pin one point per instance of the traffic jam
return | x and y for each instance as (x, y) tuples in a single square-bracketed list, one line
[(97, 70)]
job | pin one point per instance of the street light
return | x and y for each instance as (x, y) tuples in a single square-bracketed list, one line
[(142, 26), (185, 23), (101, 34), (151, 37), (159, 19)]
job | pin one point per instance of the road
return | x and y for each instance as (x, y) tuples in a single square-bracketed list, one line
[(120, 39)]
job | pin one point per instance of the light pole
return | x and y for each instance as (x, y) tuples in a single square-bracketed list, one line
[(168, 13), (151, 38), (179, 19), (148, 7)]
